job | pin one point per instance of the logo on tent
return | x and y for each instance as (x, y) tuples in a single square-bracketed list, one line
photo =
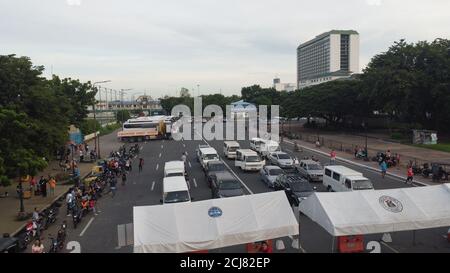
[(214, 212), (391, 204)]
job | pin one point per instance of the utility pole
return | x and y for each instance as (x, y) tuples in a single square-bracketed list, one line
[(95, 137)]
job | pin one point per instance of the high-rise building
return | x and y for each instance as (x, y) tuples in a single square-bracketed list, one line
[(329, 56)]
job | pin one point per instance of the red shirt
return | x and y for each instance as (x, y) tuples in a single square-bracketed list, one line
[(410, 172), (333, 154)]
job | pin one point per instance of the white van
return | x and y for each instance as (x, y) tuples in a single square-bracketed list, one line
[(340, 178), (206, 155), (175, 190), (248, 160), (268, 146), (174, 168), (255, 143), (229, 148)]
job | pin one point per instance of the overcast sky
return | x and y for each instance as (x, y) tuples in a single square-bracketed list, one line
[(161, 46)]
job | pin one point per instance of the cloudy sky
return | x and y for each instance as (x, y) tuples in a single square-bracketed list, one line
[(160, 46)]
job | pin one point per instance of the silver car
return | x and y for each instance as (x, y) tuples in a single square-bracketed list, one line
[(311, 170), (281, 159), (269, 174)]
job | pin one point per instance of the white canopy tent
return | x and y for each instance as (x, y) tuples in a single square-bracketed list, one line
[(186, 227), (379, 211)]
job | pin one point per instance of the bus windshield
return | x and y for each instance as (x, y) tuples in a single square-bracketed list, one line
[(362, 184)]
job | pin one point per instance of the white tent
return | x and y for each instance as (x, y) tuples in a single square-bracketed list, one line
[(379, 211), (186, 227)]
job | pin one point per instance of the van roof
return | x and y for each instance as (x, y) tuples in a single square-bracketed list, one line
[(232, 143), (175, 183), (247, 152), (343, 170), (174, 165), (208, 150)]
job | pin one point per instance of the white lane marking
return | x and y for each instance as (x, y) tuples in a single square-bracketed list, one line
[(186, 153), (74, 246), (159, 155), (388, 246), (189, 162), (130, 234), (141, 148), (121, 235), (189, 183), (238, 178), (153, 185), (86, 227), (445, 236), (162, 146), (157, 166), (195, 183), (184, 146)]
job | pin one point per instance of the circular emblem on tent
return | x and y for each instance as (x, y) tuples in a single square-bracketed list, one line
[(391, 204), (214, 212)]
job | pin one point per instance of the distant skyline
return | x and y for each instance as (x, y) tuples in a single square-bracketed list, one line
[(158, 47)]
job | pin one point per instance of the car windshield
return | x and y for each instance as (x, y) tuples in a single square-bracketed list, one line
[(301, 187), (216, 167), (253, 158), (176, 196), (175, 174), (314, 167), (210, 156), (283, 156), (275, 171), (363, 184), (232, 149), (229, 185)]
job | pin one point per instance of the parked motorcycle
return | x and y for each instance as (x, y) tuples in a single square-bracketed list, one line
[(53, 245)]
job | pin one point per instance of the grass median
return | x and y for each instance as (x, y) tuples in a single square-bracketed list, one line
[(443, 147)]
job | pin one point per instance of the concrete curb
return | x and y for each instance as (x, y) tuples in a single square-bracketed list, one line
[(46, 207), (418, 183)]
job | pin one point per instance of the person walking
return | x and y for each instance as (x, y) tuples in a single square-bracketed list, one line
[(332, 157), (383, 167), (52, 184), (37, 247), (409, 175), (141, 164), (124, 178), (70, 201)]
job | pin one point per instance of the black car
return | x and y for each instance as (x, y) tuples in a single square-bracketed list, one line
[(213, 167), (224, 184), (296, 187), (10, 244)]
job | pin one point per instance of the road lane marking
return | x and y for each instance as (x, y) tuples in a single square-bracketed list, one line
[(195, 183), (157, 166), (159, 154), (189, 162), (238, 178), (388, 246), (186, 153), (162, 146), (130, 234), (86, 227), (121, 235), (184, 146), (153, 185)]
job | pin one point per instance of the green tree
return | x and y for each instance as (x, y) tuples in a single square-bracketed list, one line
[(122, 115)]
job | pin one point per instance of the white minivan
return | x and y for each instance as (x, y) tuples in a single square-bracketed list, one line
[(268, 146), (230, 148), (255, 143), (175, 190), (174, 168), (206, 155), (248, 160), (340, 178)]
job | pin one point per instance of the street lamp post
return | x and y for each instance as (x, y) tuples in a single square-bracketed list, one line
[(364, 124), (95, 136)]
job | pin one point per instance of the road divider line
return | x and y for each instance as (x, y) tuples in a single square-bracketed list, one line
[(195, 182), (86, 227), (388, 246), (184, 145), (238, 178), (162, 146), (189, 162), (159, 154), (157, 166), (153, 185)]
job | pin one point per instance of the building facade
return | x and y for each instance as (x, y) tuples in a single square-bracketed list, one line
[(330, 56), (279, 86)]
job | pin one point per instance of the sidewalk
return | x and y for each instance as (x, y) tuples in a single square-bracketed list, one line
[(398, 172), (9, 206)]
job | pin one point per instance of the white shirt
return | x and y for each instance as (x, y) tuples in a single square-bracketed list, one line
[(69, 198)]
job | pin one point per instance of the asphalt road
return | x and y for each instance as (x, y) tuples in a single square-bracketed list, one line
[(111, 230)]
